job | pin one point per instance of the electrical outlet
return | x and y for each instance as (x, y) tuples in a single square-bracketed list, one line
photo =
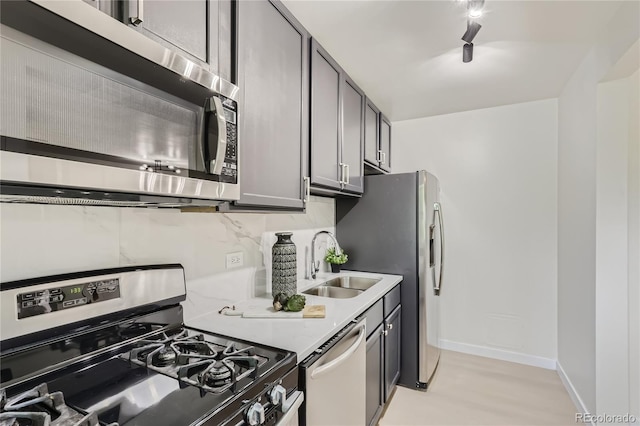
[(235, 260)]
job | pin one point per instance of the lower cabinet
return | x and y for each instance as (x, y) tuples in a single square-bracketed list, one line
[(391, 351), (375, 363), (383, 353)]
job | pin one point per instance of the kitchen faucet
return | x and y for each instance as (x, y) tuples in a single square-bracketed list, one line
[(315, 266)]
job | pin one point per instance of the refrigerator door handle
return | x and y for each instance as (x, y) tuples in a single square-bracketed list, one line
[(437, 212)]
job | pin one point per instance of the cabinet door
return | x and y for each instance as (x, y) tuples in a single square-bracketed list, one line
[(375, 365), (273, 117), (353, 102), (385, 143), (325, 119), (183, 24), (391, 351), (371, 134), (222, 58)]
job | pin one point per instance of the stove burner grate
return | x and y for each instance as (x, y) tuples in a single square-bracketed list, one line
[(180, 349), (193, 361), (164, 356), (217, 374), (38, 407)]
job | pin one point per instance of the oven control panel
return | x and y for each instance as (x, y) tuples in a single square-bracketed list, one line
[(60, 298)]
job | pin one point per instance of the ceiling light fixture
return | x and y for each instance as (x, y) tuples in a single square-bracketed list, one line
[(474, 11), (472, 30), (467, 52), (474, 8)]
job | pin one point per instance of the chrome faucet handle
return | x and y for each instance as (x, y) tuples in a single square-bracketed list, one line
[(315, 267)]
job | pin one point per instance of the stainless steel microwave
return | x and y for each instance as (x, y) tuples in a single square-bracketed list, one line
[(75, 132)]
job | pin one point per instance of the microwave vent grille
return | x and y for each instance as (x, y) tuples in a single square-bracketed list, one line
[(54, 97)]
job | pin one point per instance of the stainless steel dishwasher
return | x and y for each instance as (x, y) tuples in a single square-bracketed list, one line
[(333, 379)]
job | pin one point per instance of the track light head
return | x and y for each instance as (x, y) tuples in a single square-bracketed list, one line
[(467, 52), (472, 30), (474, 8)]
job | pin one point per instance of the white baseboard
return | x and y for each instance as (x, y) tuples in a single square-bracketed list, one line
[(575, 397), (501, 354)]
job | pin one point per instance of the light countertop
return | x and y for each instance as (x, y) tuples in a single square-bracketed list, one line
[(301, 336)]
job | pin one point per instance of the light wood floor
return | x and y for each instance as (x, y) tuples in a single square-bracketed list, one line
[(472, 390)]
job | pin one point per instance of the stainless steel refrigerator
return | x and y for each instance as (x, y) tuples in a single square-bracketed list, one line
[(396, 228)]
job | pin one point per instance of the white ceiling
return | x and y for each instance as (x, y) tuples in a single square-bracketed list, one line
[(407, 55)]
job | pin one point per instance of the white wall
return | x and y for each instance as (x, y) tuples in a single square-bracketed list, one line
[(41, 240), (634, 244), (612, 261), (497, 171), (576, 236), (585, 315)]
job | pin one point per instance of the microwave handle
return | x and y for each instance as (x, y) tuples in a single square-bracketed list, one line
[(215, 164)]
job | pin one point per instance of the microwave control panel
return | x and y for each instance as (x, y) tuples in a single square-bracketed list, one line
[(61, 298), (229, 172)]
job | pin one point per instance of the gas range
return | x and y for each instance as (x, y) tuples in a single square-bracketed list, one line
[(127, 358)]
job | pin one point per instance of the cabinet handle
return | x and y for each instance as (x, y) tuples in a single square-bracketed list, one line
[(348, 174), (390, 326), (137, 17), (379, 156), (341, 181), (344, 174), (307, 189), (385, 332), (384, 158)]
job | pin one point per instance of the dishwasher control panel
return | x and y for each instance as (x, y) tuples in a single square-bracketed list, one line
[(67, 297)]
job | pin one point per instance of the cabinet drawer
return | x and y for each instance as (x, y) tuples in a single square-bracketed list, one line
[(391, 300), (374, 317)]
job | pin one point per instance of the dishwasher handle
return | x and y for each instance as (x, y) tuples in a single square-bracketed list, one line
[(342, 358)]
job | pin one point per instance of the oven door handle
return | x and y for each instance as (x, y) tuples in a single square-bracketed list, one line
[(290, 407), (343, 357), (216, 163)]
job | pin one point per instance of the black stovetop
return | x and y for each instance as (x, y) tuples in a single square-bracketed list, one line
[(113, 372)]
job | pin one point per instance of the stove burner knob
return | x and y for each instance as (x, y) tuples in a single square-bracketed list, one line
[(255, 414), (277, 395)]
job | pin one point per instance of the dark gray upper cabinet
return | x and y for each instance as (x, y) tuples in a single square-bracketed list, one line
[(377, 140), (273, 76), (353, 104), (392, 347), (385, 143), (371, 134), (326, 138), (178, 24), (221, 44), (337, 126)]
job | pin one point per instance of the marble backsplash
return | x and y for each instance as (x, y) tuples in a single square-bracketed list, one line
[(39, 240)]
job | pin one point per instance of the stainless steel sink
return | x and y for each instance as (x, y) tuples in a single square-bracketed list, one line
[(333, 292), (343, 287), (357, 283)]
